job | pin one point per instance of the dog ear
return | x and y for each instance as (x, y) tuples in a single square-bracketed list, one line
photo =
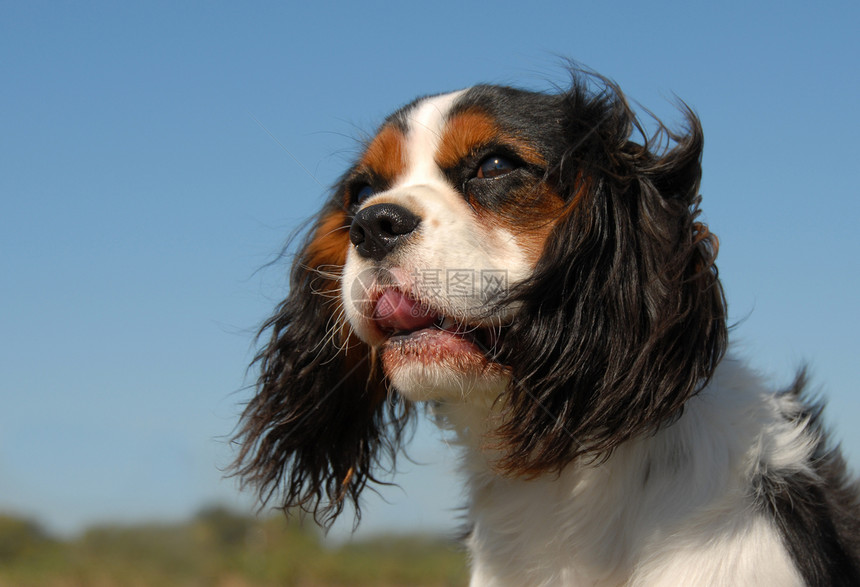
[(319, 425), (624, 317)]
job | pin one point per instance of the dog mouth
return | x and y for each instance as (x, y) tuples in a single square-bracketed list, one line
[(411, 327)]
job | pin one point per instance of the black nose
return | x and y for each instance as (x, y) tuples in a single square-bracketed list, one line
[(378, 229)]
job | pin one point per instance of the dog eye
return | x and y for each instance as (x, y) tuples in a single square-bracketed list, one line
[(494, 166), (362, 193)]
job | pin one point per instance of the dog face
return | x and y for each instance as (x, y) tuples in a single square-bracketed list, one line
[(449, 207), (490, 245)]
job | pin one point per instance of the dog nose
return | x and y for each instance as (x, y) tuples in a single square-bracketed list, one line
[(378, 229)]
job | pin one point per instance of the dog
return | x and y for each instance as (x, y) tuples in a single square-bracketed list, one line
[(532, 266)]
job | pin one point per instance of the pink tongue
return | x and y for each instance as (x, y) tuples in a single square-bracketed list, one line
[(395, 311)]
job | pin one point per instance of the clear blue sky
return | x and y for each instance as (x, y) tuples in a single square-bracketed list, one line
[(140, 196)]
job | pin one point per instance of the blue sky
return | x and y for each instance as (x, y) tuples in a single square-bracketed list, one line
[(142, 192)]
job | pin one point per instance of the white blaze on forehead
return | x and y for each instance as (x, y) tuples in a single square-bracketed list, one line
[(426, 122)]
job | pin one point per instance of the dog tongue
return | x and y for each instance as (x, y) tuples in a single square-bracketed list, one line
[(395, 311)]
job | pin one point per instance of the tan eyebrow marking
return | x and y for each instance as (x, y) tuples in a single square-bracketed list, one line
[(386, 153), (473, 129)]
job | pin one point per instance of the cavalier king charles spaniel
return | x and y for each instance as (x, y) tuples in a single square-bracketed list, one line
[(532, 267)]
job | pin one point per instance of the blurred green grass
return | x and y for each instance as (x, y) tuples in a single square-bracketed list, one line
[(220, 548)]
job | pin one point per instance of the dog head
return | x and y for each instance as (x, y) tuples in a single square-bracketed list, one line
[(491, 245)]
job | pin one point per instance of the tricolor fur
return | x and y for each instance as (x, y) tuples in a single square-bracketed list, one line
[(606, 439)]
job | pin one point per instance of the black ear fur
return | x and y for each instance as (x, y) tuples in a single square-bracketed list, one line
[(319, 425), (624, 317)]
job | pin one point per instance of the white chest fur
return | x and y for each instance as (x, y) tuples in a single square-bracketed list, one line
[(675, 508)]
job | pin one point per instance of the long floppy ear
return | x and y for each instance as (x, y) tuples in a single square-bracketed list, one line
[(624, 317), (319, 424)]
